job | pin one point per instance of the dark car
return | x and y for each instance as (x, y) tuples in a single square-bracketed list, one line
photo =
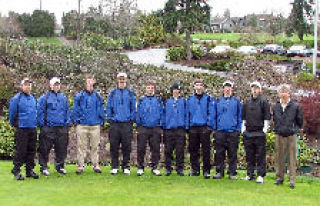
[(274, 49)]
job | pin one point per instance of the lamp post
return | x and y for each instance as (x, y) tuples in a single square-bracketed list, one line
[(78, 23), (315, 51)]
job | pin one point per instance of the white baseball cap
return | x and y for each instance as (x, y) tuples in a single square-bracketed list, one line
[(54, 80), (228, 82), (26, 80), (122, 74), (256, 83)]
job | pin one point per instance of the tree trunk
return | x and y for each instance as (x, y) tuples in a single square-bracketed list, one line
[(188, 44), (188, 31)]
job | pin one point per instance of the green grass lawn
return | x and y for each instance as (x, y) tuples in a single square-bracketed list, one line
[(236, 36), (48, 40), (104, 189)]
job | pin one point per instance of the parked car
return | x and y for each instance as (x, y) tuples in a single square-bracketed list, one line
[(309, 53), (221, 49), (274, 49), (259, 48), (247, 50), (299, 50)]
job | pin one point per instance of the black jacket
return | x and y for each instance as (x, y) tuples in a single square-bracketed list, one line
[(254, 112), (289, 121)]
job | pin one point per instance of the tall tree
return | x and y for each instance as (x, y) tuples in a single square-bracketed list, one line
[(25, 22), (297, 19), (42, 23), (10, 25), (170, 16), (123, 17), (227, 13), (151, 30), (277, 25), (253, 21), (69, 22), (193, 14)]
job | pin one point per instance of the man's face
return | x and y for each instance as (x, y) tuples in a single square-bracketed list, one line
[(122, 82), (150, 90), (176, 93), (255, 91), (199, 87), (284, 94), (90, 84), (55, 87), (26, 87), (227, 91)]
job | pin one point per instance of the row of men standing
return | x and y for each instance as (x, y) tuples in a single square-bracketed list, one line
[(198, 115)]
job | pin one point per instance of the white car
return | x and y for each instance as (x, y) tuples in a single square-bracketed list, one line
[(247, 50), (297, 50), (221, 49)]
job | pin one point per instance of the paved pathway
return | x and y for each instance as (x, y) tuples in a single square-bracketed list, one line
[(157, 57)]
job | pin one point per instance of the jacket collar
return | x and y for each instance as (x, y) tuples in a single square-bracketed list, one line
[(256, 99)]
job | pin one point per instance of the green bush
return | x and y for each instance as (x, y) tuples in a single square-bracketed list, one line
[(179, 53), (132, 42), (305, 77), (310, 65), (276, 57), (221, 65), (305, 153), (101, 42), (6, 138), (174, 40), (176, 53), (287, 43), (151, 30), (197, 53), (235, 44)]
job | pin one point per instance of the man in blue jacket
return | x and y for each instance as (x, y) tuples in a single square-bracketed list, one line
[(54, 121), (199, 112), (23, 116), (88, 116), (121, 113), (174, 125), (149, 114), (227, 126)]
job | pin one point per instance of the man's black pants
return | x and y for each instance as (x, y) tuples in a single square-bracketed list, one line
[(120, 133), (199, 136), (153, 136), (53, 137), (174, 139), (255, 148), (226, 142), (25, 149)]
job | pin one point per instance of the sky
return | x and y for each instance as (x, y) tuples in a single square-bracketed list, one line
[(237, 7)]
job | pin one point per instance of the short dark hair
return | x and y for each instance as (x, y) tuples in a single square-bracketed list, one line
[(89, 76)]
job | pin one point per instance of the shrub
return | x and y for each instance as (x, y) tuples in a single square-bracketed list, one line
[(132, 42), (197, 52), (276, 57), (287, 43), (6, 83), (7, 138), (151, 30), (305, 153), (235, 44), (221, 65), (101, 42), (176, 53), (311, 112), (174, 40), (179, 53), (305, 77)]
